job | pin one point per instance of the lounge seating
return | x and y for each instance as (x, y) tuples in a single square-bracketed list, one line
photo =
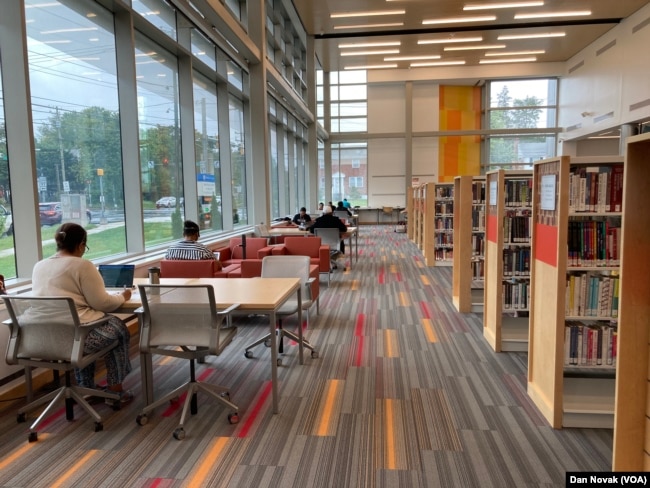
[(233, 253), (318, 253), (203, 268)]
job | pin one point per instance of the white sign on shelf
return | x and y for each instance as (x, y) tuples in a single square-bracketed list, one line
[(547, 192), (493, 193)]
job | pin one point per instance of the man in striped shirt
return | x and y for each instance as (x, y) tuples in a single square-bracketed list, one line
[(189, 248)]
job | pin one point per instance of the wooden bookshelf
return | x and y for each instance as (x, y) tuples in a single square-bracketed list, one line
[(417, 217), (469, 232), (409, 214), (632, 403), (507, 259), (566, 380), (442, 245)]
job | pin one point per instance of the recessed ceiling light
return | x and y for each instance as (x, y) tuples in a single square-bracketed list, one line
[(458, 20), (450, 40), (368, 26), (372, 66), (370, 53), (490, 6), (516, 53), (508, 60), (509, 37), (437, 63), (411, 58), (367, 13), (474, 48), (575, 13), (369, 44)]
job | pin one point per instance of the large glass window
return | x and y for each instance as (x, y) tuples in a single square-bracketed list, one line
[(7, 260), (521, 104), (158, 12), (160, 145), (238, 161), (348, 102), (275, 182), (206, 150), (349, 172), (76, 122)]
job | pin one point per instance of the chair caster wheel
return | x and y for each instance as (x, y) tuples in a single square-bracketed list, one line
[(233, 418), (99, 426), (141, 419), (267, 342), (226, 395), (248, 354), (314, 355), (279, 362), (179, 434), (20, 418), (33, 437)]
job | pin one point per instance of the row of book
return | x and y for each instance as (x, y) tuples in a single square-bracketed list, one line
[(444, 239), (478, 192), (444, 254), (517, 225), (594, 242), (516, 295), (478, 245), (590, 345), (516, 261), (444, 208), (478, 269), (478, 219), (592, 295), (519, 193), (444, 223), (596, 188), (445, 191)]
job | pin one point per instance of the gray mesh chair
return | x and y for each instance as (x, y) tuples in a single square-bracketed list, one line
[(46, 333), (288, 267), (182, 321), (342, 214), (332, 238)]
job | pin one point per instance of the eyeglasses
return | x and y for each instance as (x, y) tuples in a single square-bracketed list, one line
[(86, 246)]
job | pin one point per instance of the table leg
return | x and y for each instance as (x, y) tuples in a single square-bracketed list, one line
[(300, 346), (146, 375), (274, 362)]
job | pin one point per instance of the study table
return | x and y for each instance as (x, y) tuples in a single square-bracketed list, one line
[(295, 231), (263, 296)]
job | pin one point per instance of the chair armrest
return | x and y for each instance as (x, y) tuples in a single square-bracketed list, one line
[(225, 253), (225, 311), (324, 258), (265, 251), (279, 251)]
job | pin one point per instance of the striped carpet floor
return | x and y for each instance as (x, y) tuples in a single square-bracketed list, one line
[(405, 393)]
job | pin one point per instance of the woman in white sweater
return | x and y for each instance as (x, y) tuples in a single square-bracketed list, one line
[(67, 273)]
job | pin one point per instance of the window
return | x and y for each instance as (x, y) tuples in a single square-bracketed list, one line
[(238, 162), (356, 182), (348, 102), (159, 13), (344, 171), (524, 111), (356, 163), (275, 182), (7, 263)]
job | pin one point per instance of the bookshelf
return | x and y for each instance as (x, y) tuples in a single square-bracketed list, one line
[(576, 219), (409, 214), (442, 246), (469, 233), (632, 404), (417, 217), (507, 259)]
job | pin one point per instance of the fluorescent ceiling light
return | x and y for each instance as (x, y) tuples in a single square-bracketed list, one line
[(411, 58), (63, 41), (490, 6), (368, 26), (474, 48), (370, 53), (42, 5), (367, 13), (516, 53), (575, 13), (450, 40), (72, 29), (439, 63), (509, 37), (457, 20), (369, 44), (507, 60), (373, 66)]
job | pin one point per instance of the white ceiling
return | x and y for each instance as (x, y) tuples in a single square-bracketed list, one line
[(579, 31)]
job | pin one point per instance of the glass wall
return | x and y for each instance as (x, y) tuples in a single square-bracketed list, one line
[(72, 71), (275, 182), (350, 173), (348, 101), (7, 260), (238, 161), (521, 104)]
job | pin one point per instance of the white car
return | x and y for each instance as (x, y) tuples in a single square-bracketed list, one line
[(166, 202)]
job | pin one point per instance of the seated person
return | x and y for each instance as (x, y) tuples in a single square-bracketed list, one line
[(320, 208), (189, 248), (346, 204), (328, 221), (68, 274), (341, 208), (302, 218)]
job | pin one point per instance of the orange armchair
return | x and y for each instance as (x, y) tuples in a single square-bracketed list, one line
[(233, 253), (303, 246), (203, 268)]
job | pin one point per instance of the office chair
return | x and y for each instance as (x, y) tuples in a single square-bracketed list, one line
[(182, 321), (341, 214), (46, 333), (332, 238), (288, 267)]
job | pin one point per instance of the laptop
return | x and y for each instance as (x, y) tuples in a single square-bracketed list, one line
[(117, 276)]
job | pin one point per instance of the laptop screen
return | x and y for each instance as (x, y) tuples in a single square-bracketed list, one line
[(117, 275)]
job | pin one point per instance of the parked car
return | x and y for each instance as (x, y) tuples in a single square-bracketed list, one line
[(50, 212), (8, 228), (166, 202)]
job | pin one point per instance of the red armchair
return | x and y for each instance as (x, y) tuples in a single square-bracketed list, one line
[(204, 268), (303, 246), (233, 253)]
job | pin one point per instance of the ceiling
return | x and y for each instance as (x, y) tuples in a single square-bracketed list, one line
[(579, 31)]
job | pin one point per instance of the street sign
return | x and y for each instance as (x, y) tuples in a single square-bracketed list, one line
[(42, 183)]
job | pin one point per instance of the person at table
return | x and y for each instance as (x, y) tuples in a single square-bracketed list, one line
[(67, 273), (346, 204), (302, 218), (320, 208), (189, 249), (341, 208), (329, 221)]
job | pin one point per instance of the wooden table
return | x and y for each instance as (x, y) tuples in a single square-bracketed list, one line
[(262, 296)]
